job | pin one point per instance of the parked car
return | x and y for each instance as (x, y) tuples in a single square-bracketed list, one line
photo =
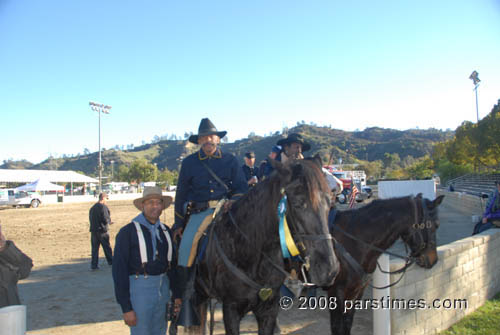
[(11, 197), (368, 190)]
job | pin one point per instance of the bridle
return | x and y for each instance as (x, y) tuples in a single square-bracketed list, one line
[(303, 257), (417, 228), (305, 260)]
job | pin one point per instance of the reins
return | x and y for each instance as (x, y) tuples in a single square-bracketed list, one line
[(409, 259)]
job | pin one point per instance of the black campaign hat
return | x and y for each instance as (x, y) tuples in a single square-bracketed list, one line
[(206, 128), (295, 138), (250, 154)]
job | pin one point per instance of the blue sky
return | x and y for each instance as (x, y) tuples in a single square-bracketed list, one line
[(250, 66)]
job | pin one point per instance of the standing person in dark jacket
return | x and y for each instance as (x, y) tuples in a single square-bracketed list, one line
[(100, 219), (14, 265), (251, 172), (143, 255)]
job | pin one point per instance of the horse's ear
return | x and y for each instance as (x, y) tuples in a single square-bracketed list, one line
[(280, 167), (317, 159), (438, 201)]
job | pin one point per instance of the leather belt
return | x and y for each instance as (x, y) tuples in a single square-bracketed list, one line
[(197, 207)]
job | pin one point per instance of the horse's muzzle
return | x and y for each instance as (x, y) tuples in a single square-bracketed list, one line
[(427, 259)]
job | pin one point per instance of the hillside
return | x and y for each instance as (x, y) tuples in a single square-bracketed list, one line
[(367, 145)]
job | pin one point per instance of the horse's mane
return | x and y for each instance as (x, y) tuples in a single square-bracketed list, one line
[(259, 205), (379, 206), (315, 181)]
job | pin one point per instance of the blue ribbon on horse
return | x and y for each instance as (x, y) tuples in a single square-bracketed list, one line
[(288, 247)]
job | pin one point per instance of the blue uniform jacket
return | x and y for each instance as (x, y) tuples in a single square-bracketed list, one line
[(127, 261), (491, 212), (250, 172), (196, 184)]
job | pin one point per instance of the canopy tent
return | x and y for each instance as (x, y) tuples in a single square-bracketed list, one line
[(55, 176), (40, 185)]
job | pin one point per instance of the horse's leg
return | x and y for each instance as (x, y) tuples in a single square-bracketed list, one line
[(266, 314), (348, 319), (341, 317), (349, 315), (232, 315), (336, 321), (337, 315)]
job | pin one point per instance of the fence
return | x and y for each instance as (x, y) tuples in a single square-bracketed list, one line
[(467, 274)]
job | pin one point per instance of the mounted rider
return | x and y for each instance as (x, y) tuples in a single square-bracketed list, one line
[(285, 149), (206, 177)]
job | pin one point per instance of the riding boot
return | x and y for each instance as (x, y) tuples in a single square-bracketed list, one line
[(188, 315)]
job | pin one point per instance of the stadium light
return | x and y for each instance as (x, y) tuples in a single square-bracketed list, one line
[(100, 108), (475, 79)]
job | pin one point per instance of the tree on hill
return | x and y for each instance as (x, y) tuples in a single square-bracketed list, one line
[(142, 171)]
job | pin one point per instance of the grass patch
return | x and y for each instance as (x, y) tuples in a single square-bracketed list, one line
[(484, 321)]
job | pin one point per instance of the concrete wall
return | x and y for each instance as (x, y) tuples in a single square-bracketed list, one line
[(467, 269)]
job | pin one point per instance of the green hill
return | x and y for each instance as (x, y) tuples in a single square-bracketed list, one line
[(367, 145)]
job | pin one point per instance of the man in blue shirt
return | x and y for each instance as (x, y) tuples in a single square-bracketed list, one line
[(206, 177), (251, 172), (197, 186), (142, 258), (491, 216)]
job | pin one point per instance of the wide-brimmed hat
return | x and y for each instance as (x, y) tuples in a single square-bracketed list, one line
[(152, 192), (206, 128), (295, 138)]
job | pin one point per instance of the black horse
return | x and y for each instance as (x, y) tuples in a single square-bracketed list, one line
[(365, 233), (243, 262)]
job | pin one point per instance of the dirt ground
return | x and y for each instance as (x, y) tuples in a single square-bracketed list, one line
[(64, 297)]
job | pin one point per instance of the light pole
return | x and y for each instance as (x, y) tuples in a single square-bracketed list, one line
[(99, 108), (475, 79), (112, 170)]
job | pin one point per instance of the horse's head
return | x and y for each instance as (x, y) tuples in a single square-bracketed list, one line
[(421, 235), (308, 198)]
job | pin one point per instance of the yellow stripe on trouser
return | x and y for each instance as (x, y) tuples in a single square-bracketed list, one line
[(290, 244), (201, 229)]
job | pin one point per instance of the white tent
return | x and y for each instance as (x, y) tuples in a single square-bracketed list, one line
[(40, 185)]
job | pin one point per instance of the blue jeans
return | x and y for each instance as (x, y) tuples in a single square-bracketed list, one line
[(149, 297)]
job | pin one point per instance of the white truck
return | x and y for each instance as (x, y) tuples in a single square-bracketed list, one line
[(11, 197)]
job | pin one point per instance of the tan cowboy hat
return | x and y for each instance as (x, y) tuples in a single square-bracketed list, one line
[(152, 192)]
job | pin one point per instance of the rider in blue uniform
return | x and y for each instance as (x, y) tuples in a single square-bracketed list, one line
[(250, 170), (197, 186), (202, 191)]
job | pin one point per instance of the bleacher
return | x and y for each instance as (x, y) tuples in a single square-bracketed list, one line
[(475, 184)]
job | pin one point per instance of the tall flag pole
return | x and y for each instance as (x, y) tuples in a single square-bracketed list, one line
[(354, 192)]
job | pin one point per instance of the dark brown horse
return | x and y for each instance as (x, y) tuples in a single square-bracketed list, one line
[(243, 263), (366, 232)]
